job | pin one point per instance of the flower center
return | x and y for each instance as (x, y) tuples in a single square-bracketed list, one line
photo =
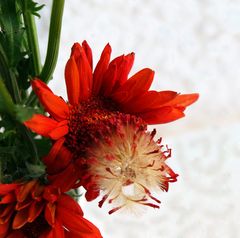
[(88, 122)]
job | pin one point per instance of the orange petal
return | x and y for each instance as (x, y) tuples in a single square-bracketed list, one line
[(148, 101), (7, 188), (21, 218), (72, 81), (35, 210), (25, 189), (41, 124), (84, 71), (70, 204), (124, 69), (134, 87), (88, 53), (52, 103), (76, 223), (162, 115), (58, 132), (50, 211), (101, 68), (8, 198), (183, 100)]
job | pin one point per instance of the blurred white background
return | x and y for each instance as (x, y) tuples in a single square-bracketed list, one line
[(193, 46)]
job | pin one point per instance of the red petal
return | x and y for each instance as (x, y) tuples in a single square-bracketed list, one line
[(101, 68), (4, 230), (84, 71), (35, 210), (21, 218), (25, 189), (70, 204), (58, 159), (52, 103), (134, 87), (183, 100), (117, 73), (162, 115), (70, 175), (148, 101), (88, 52), (41, 124), (50, 210), (7, 188), (124, 69), (77, 224), (72, 81), (58, 132), (8, 198)]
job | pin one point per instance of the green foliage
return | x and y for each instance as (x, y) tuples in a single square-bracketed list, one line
[(24, 113)]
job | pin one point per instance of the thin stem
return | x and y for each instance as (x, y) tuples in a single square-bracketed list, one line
[(53, 46), (32, 39), (53, 40)]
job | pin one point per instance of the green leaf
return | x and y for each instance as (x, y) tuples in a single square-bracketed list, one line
[(24, 113)]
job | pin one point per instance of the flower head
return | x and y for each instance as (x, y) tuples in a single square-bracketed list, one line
[(100, 103), (127, 166), (33, 210)]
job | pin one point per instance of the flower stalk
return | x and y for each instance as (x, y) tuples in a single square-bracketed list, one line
[(32, 37)]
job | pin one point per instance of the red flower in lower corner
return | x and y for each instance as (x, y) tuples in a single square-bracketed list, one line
[(34, 210), (102, 103)]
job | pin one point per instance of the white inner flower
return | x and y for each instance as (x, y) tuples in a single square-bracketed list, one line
[(129, 166)]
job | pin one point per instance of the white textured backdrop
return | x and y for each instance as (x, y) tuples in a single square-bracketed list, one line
[(193, 46)]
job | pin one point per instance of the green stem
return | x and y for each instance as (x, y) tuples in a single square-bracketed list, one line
[(32, 39), (7, 75), (6, 103), (53, 40), (53, 46)]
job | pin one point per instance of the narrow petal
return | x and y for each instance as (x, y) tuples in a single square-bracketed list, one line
[(72, 81), (134, 87), (25, 189), (84, 71), (49, 214), (183, 100), (53, 104), (101, 68), (124, 69), (58, 132), (41, 124), (8, 198), (35, 210), (148, 101), (117, 74), (7, 188), (162, 115), (88, 52), (20, 219)]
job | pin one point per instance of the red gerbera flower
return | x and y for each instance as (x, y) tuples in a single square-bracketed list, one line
[(100, 102), (34, 210)]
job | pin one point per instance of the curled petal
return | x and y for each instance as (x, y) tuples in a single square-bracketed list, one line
[(162, 115), (53, 104), (72, 81), (134, 87), (101, 68), (41, 124)]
